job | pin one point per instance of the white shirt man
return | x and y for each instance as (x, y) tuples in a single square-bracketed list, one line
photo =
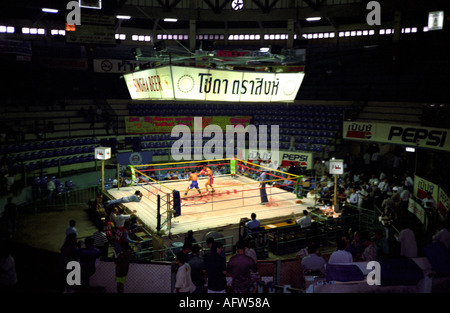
[(311, 194), (408, 244), (375, 156), (409, 182), (428, 202), (313, 261), (366, 158), (384, 186), (353, 198), (304, 221), (362, 193), (121, 218), (404, 195), (340, 256)]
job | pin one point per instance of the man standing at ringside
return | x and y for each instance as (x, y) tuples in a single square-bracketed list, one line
[(193, 176), (208, 172)]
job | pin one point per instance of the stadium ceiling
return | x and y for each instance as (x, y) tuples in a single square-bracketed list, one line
[(256, 14)]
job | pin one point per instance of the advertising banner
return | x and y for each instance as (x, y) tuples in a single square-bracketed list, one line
[(285, 158), (418, 211), (443, 204), (117, 65), (409, 135), (164, 124), (134, 158), (336, 167), (192, 83), (423, 186)]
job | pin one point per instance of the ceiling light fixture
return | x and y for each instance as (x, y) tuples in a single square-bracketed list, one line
[(47, 10), (313, 19)]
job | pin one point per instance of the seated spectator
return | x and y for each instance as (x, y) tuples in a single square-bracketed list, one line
[(326, 197), (370, 251), (253, 223), (341, 255), (356, 247), (381, 245), (311, 194), (313, 262), (443, 236), (170, 176), (154, 176), (305, 220)]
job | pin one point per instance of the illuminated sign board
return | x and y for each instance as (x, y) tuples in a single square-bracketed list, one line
[(408, 135), (191, 83), (436, 20)]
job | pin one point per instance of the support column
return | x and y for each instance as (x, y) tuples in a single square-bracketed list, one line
[(192, 35), (290, 33)]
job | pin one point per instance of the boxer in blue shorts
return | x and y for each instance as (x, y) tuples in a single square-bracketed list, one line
[(194, 183)]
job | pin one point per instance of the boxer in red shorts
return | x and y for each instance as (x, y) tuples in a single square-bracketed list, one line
[(208, 172)]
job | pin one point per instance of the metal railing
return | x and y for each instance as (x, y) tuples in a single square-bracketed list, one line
[(62, 199)]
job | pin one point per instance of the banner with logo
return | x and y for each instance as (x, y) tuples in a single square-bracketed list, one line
[(192, 83), (134, 158), (416, 209), (164, 124), (117, 66), (423, 186), (285, 158), (409, 135), (443, 204), (336, 167)]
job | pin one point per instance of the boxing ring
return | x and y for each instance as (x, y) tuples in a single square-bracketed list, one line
[(236, 196)]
